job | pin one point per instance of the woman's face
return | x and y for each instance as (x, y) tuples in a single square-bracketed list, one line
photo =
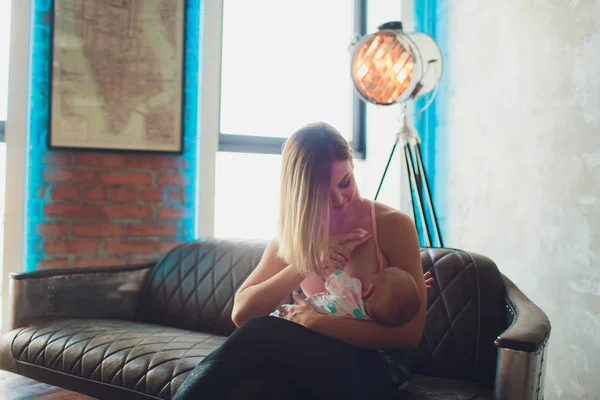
[(343, 186)]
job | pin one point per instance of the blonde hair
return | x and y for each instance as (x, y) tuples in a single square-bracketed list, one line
[(305, 211)]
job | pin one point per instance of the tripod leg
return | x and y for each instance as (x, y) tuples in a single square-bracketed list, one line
[(436, 226), (421, 222), (387, 166), (410, 183)]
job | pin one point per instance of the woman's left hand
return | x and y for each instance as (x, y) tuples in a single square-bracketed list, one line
[(302, 312)]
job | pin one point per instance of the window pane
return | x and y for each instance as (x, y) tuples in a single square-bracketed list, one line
[(285, 64), (247, 195), (4, 48)]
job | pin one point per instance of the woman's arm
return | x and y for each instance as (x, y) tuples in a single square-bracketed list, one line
[(400, 244), (266, 287)]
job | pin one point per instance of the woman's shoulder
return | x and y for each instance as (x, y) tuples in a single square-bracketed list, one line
[(272, 251), (398, 238), (390, 217), (392, 224)]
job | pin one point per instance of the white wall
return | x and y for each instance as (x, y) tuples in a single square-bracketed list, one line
[(523, 162), (16, 128)]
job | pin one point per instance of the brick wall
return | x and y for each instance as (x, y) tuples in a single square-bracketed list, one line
[(102, 209), (105, 208)]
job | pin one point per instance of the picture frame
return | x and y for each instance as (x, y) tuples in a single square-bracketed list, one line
[(117, 75)]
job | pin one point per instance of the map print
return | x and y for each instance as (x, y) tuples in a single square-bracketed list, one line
[(117, 74)]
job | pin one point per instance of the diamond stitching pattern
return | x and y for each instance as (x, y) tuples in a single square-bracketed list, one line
[(449, 340), (121, 353), (193, 286)]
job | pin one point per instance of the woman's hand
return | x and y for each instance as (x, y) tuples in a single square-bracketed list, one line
[(302, 312), (342, 246)]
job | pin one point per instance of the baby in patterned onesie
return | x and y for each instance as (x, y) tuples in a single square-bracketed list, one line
[(391, 297)]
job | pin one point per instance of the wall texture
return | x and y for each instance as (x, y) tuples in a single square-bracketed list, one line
[(105, 208), (519, 150)]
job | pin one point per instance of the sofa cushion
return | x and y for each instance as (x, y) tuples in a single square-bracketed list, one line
[(432, 388), (149, 359)]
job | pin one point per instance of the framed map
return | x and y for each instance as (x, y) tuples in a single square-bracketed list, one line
[(117, 75)]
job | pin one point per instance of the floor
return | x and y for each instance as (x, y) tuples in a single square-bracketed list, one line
[(17, 387)]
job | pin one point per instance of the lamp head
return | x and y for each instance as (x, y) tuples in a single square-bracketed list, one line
[(390, 66)]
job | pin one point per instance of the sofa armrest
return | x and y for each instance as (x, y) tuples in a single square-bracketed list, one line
[(106, 292), (530, 327), (522, 349)]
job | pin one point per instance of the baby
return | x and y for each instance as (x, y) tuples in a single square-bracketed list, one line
[(391, 297)]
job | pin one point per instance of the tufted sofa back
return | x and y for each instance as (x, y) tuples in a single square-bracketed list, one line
[(465, 315), (193, 287)]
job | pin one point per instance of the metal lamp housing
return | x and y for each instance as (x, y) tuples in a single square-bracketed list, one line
[(390, 66)]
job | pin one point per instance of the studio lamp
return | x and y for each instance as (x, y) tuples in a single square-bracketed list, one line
[(393, 67)]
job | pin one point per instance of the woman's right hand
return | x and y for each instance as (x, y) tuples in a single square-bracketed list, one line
[(341, 247)]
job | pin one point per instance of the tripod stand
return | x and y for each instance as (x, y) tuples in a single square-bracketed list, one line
[(423, 210)]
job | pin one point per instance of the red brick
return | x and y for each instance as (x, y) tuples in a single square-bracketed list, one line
[(50, 263), (126, 211), (126, 178), (173, 179), (49, 229), (71, 210), (70, 175), (96, 229), (130, 247), (163, 246), (149, 229), (57, 158), (71, 246), (175, 195), (154, 162), (101, 160), (123, 195), (151, 194), (94, 193), (97, 262), (172, 213), (64, 193)]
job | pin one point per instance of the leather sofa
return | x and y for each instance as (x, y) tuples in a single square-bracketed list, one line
[(136, 332)]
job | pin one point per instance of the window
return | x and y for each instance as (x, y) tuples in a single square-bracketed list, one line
[(284, 64)]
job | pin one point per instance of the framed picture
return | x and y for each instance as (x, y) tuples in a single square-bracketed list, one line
[(117, 75)]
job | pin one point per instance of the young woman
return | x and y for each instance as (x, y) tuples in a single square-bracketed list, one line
[(323, 224)]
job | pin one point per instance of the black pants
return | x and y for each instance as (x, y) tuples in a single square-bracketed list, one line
[(272, 358)]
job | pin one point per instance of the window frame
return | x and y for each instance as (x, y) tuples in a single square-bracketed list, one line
[(228, 142)]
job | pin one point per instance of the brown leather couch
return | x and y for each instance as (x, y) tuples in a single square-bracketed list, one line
[(136, 332)]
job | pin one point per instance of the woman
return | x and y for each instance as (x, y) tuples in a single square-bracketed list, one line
[(323, 224)]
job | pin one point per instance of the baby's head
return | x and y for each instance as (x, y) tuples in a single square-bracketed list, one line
[(394, 298)]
